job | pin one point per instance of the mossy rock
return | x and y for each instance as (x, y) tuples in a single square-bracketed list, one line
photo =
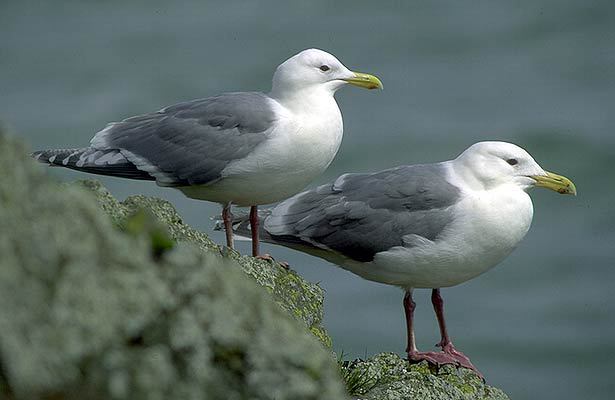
[(132, 303), (300, 298), (389, 377), (91, 309)]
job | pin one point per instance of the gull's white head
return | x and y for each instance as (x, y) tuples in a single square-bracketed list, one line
[(313, 68), (486, 165)]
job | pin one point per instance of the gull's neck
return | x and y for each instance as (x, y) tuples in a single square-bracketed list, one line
[(311, 99), (462, 176)]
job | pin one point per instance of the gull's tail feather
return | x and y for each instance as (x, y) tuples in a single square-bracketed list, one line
[(102, 162)]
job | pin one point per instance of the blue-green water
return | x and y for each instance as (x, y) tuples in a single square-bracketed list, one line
[(540, 74)]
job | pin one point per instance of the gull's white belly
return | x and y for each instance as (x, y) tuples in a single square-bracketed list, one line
[(487, 228), (298, 151)]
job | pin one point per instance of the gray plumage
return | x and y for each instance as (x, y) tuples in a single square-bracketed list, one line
[(87, 159), (185, 144), (360, 215)]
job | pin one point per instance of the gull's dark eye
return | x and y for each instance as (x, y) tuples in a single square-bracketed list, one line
[(512, 161), (324, 68)]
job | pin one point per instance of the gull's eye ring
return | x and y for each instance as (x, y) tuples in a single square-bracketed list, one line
[(324, 68), (512, 161)]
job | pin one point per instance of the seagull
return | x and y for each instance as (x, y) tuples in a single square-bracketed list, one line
[(418, 226), (241, 148)]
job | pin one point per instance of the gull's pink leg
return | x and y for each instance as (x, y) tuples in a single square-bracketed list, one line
[(445, 343), (254, 223), (409, 307), (437, 358), (227, 217), (254, 230), (438, 306)]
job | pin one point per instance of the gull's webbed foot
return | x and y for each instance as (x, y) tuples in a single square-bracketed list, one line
[(435, 358), (461, 358), (448, 355), (268, 257)]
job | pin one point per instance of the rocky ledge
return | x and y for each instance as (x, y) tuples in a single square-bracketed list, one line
[(104, 299)]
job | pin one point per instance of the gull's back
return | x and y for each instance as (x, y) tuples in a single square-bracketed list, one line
[(360, 215), (189, 143)]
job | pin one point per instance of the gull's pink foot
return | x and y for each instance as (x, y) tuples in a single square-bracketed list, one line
[(435, 358), (461, 358), (267, 257), (449, 356)]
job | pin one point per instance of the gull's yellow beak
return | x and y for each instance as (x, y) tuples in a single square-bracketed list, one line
[(555, 182), (366, 81)]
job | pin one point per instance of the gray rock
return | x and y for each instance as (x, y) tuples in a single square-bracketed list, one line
[(136, 304), (91, 311), (300, 298), (389, 377)]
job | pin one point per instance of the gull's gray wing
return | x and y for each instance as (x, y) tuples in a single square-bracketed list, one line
[(360, 215), (185, 144)]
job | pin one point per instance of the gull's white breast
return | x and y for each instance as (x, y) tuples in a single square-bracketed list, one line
[(300, 147)]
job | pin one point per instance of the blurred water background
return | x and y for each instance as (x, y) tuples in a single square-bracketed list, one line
[(540, 74)]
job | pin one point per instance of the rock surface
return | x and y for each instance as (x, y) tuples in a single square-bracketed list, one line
[(300, 298), (142, 306), (89, 311), (389, 377)]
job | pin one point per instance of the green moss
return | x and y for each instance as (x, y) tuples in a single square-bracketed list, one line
[(396, 379), (422, 368), (466, 388), (322, 335)]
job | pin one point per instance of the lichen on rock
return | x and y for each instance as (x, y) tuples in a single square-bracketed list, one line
[(387, 376), (300, 298), (89, 311)]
